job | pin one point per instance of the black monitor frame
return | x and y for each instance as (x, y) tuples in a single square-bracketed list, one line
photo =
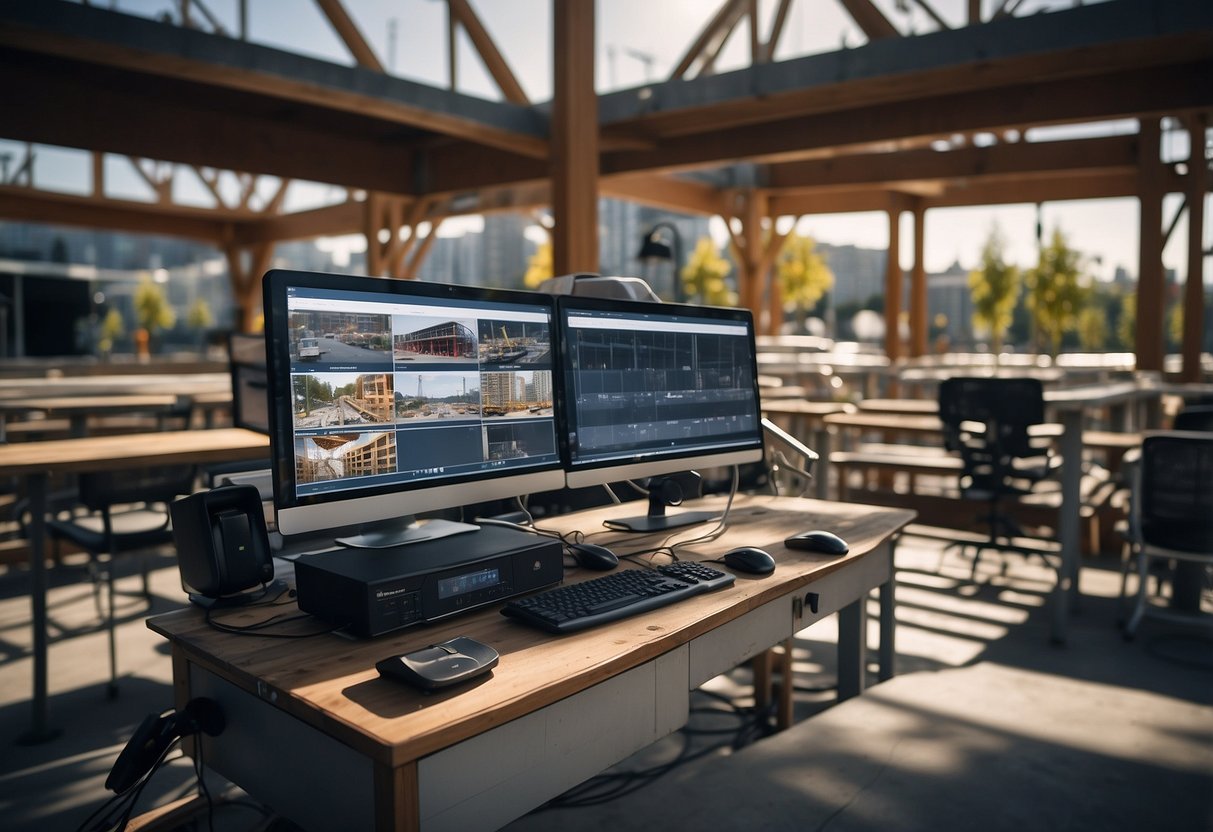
[(341, 502)]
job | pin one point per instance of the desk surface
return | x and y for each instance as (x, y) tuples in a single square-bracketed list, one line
[(132, 451), (89, 404), (331, 683), (800, 407)]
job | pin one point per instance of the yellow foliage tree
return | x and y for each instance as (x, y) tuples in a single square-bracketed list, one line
[(995, 287), (703, 277), (539, 267), (802, 273)]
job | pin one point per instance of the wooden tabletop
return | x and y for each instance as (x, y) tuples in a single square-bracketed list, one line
[(912, 406), (800, 407), (907, 422), (89, 404), (134, 450), (331, 682)]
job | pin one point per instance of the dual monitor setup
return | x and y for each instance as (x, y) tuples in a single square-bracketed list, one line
[(390, 398)]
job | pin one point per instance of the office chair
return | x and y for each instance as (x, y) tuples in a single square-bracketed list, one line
[(1195, 417), (986, 421), (1171, 515), (128, 512)]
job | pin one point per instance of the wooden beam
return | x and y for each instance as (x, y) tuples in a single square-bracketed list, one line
[(1114, 153), (664, 192), (350, 35), (870, 19), (892, 287), (1150, 285), (574, 138), (342, 218), (22, 204), (710, 31), (777, 24), (494, 62), (1194, 287)]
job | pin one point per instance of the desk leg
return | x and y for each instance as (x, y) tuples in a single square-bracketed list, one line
[(888, 621), (852, 647), (39, 729), (821, 438), (397, 797), (1071, 508)]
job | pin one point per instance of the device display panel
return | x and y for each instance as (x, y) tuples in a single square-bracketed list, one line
[(656, 388), (387, 387)]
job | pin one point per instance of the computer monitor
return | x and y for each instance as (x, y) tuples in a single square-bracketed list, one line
[(652, 389), (395, 397), (250, 397)]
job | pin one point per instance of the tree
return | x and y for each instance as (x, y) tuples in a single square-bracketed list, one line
[(152, 309), (1057, 291), (539, 267), (1092, 328), (199, 315), (703, 277), (995, 289), (802, 273), (1126, 327), (112, 328)]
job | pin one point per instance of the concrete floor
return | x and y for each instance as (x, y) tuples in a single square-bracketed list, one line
[(987, 725)]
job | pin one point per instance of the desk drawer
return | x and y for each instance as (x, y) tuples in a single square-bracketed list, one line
[(488, 780)]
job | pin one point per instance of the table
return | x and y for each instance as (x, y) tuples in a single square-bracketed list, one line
[(806, 421), (917, 407), (38, 461), (79, 408), (316, 734), (1071, 405)]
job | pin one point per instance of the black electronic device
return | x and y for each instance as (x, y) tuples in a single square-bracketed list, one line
[(442, 665), (154, 736), (376, 591), (222, 545), (619, 595), (593, 556), (750, 559), (652, 390), (390, 398), (822, 542)]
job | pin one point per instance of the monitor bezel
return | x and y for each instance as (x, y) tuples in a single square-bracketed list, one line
[(360, 506), (601, 472)]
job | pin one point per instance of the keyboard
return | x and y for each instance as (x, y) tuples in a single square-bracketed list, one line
[(615, 596)]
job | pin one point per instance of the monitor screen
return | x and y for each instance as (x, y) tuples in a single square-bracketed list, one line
[(393, 397), (652, 388)]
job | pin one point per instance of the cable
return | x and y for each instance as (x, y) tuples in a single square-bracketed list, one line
[(203, 789)]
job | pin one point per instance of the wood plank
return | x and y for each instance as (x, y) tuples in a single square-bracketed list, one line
[(132, 451), (574, 132)]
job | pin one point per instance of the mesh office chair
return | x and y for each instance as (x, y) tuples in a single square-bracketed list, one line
[(1195, 417), (1171, 516), (987, 421), (128, 512)]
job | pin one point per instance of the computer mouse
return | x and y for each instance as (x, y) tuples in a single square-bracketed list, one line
[(750, 559), (822, 542), (440, 665), (593, 556)]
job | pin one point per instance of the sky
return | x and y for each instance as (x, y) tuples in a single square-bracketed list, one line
[(639, 41)]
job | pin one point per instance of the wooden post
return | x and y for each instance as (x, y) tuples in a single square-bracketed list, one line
[(918, 285), (1150, 288), (892, 286), (1194, 289), (574, 139)]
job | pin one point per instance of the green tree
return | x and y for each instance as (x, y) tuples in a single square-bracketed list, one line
[(994, 287), (152, 309), (1092, 328), (199, 315), (539, 267), (1126, 327), (112, 328), (802, 273), (703, 277), (1057, 291)]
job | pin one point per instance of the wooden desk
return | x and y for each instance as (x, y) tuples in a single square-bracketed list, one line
[(79, 408), (915, 407), (37, 461), (315, 733), (807, 426)]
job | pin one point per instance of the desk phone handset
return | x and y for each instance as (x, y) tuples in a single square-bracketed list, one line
[(440, 665)]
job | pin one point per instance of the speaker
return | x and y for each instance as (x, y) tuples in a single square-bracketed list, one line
[(222, 544)]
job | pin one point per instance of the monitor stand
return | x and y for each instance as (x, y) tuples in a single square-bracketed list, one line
[(657, 520), (403, 531)]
